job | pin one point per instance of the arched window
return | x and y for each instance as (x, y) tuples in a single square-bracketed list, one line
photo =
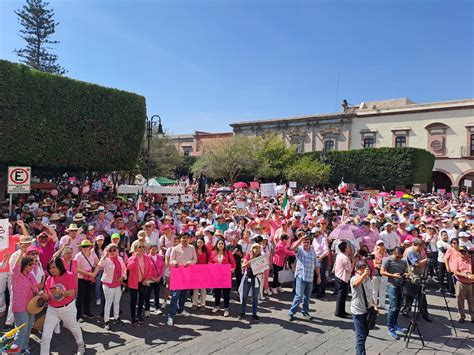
[(329, 145)]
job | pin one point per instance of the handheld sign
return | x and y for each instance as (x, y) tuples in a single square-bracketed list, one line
[(259, 265)]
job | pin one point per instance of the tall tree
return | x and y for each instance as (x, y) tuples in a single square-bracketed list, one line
[(38, 27)]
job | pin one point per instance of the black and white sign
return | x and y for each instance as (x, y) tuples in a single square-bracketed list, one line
[(19, 180)]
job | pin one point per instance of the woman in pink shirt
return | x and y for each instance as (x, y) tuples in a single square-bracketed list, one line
[(157, 275), (221, 255), (279, 257), (60, 291), (87, 269), (202, 258), (140, 272), (24, 287)]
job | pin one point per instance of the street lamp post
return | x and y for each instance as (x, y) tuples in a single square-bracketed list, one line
[(150, 123)]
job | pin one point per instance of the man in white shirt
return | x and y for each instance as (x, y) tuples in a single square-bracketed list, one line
[(151, 234), (320, 246), (390, 238)]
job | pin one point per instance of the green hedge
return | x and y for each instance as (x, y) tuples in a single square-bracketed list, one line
[(379, 166), (49, 121)]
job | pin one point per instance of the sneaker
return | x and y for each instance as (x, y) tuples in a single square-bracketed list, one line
[(169, 322), (306, 316), (134, 322), (107, 326), (242, 316), (268, 292), (193, 307), (226, 312), (255, 318), (461, 320), (184, 313), (216, 309), (97, 303), (147, 314), (401, 330), (393, 334), (118, 321), (57, 329), (279, 289), (81, 348), (291, 317), (274, 291), (141, 320), (159, 311)]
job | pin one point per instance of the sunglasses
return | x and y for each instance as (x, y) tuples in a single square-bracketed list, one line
[(112, 250), (33, 253), (454, 243), (30, 264)]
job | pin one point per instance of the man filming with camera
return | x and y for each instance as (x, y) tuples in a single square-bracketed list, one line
[(417, 265), (394, 268)]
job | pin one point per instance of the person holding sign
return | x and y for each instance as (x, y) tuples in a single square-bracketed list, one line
[(307, 263), (220, 255), (250, 282), (185, 255)]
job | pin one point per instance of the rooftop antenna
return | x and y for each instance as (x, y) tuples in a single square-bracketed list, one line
[(337, 92)]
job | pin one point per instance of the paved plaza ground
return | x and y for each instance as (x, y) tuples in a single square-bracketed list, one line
[(205, 333)]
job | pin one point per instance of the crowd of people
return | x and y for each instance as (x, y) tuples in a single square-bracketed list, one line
[(74, 252)]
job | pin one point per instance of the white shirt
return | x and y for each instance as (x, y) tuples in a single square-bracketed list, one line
[(390, 240), (153, 238), (442, 244), (468, 244)]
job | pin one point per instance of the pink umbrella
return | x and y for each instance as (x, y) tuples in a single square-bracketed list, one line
[(239, 185), (348, 232)]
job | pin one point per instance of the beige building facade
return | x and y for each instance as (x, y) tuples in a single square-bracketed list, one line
[(195, 144), (446, 129)]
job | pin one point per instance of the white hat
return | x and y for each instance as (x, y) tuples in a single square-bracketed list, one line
[(314, 230), (209, 229), (464, 235), (380, 241)]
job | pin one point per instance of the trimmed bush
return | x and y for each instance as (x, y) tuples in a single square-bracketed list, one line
[(379, 166), (52, 122)]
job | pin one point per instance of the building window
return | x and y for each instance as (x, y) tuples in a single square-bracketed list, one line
[(400, 141), (368, 142), (187, 151), (329, 145), (472, 145)]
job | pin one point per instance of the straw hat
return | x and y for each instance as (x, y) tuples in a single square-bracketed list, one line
[(78, 217), (72, 227), (24, 239), (54, 217), (35, 305)]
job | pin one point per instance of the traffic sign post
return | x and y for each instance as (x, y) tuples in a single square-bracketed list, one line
[(19, 181)]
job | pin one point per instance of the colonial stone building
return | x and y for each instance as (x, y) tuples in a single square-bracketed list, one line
[(194, 144), (444, 128)]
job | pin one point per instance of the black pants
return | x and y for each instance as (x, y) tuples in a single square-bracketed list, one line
[(85, 289), (442, 273), (411, 292), (320, 289), (139, 294), (222, 292), (433, 269), (238, 275), (155, 289), (342, 290), (451, 283), (276, 270)]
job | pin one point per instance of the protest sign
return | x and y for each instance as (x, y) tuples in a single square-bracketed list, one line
[(259, 265), (468, 183), (241, 208), (360, 203), (186, 198), (200, 276), (268, 190), (4, 235), (254, 185), (293, 184), (172, 199), (280, 189)]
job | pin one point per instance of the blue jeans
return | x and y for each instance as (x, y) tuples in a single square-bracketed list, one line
[(178, 299), (361, 332), (254, 285), (22, 338), (98, 287), (395, 299), (302, 293)]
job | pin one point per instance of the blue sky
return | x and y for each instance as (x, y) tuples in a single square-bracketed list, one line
[(204, 64)]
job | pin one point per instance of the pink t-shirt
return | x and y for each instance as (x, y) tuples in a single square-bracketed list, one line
[(86, 263), (343, 267), (65, 282), (24, 287), (46, 253)]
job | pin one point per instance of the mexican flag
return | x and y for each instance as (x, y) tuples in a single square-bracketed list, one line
[(285, 205), (342, 187)]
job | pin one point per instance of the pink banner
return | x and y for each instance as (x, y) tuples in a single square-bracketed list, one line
[(200, 276), (399, 193)]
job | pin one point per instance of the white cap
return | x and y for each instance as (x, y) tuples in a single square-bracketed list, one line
[(314, 230), (209, 229)]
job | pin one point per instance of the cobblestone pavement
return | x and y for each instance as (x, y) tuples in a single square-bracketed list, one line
[(205, 333)]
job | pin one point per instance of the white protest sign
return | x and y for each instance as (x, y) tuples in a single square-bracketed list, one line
[(360, 203), (268, 190), (4, 235), (172, 199), (259, 265), (186, 198), (280, 189), (172, 190), (468, 183), (293, 184), (19, 179), (241, 208)]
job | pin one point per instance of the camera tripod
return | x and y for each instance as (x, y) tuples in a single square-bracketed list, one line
[(416, 314)]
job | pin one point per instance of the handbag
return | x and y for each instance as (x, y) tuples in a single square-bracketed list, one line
[(286, 275), (372, 313)]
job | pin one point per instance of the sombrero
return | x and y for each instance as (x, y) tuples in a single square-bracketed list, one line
[(35, 305)]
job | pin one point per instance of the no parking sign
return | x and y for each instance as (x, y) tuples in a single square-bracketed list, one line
[(19, 179)]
